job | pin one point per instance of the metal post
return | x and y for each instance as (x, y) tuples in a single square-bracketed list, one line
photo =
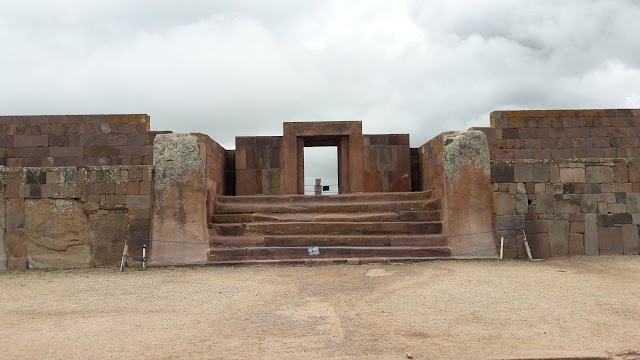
[(317, 188), (144, 256)]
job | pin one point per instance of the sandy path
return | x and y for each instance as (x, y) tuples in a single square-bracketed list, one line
[(434, 310)]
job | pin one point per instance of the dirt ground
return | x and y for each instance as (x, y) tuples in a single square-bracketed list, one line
[(432, 310)]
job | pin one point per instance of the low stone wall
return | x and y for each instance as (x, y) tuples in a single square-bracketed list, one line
[(387, 163), (60, 217), (259, 165), (569, 207), (564, 134), (75, 140)]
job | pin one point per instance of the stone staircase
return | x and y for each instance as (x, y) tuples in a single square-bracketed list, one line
[(352, 228)]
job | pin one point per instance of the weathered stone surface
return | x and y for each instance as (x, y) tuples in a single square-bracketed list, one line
[(502, 173), (576, 244), (522, 204), (634, 172), (179, 210), (591, 246), (633, 202), (108, 232), (541, 173), (3, 256), (536, 226), (467, 205), (572, 175), (504, 204), (589, 203), (544, 204), (630, 239), (523, 172), (599, 174), (57, 234), (559, 237), (539, 244), (610, 240)]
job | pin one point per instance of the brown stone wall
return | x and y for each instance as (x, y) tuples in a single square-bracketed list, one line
[(569, 207), (259, 165), (72, 217), (564, 134), (432, 165), (387, 163), (75, 140), (214, 158)]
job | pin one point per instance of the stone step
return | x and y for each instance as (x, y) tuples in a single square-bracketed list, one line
[(274, 253), (328, 240), (321, 207), (431, 215), (337, 228), (323, 261), (327, 199)]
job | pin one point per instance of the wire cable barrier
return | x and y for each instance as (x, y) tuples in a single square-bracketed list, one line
[(142, 243)]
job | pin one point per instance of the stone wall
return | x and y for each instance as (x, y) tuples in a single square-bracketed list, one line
[(60, 217), (75, 140), (569, 207), (259, 165), (387, 163), (564, 134), (431, 157)]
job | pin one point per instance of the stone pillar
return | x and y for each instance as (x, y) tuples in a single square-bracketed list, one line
[(179, 206), (467, 205), (3, 256)]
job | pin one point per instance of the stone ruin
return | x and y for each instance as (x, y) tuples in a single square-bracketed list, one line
[(72, 188)]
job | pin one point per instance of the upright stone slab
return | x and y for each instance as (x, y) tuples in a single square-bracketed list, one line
[(180, 194), (467, 205)]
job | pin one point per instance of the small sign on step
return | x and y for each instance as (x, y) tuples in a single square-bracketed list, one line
[(314, 251)]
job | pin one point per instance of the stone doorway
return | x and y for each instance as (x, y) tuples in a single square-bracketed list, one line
[(321, 162), (345, 135)]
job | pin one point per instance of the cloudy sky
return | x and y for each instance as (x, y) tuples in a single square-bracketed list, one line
[(242, 67)]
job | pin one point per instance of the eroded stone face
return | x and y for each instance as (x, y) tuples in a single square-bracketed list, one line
[(57, 233), (463, 149)]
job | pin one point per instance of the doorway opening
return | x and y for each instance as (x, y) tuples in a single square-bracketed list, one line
[(321, 162)]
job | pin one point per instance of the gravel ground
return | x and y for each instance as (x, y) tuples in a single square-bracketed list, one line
[(432, 310)]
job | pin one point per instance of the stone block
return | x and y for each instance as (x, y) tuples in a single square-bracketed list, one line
[(622, 218), (577, 227), (544, 204), (502, 173), (567, 206), (558, 237), (576, 244), (630, 239), (634, 172), (17, 264), (14, 214), (589, 203), (554, 173), (536, 226), (138, 202), (57, 233), (541, 173), (539, 244), (504, 204), (620, 173), (572, 175), (599, 174), (610, 241), (108, 232), (540, 188), (591, 246), (522, 204), (523, 172), (617, 208), (633, 202)]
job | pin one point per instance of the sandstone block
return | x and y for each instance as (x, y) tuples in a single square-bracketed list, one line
[(108, 232), (567, 206), (610, 241), (138, 202), (558, 237), (522, 204), (634, 172), (630, 239), (536, 226), (504, 204), (621, 173), (633, 202), (599, 174), (539, 244), (523, 172), (577, 227), (591, 246), (502, 173), (572, 175), (541, 172), (57, 233), (589, 203), (544, 204), (576, 244)]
